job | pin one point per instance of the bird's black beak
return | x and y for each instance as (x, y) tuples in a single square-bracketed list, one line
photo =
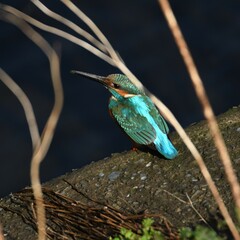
[(103, 80)]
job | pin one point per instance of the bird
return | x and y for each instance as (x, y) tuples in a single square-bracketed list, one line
[(135, 113)]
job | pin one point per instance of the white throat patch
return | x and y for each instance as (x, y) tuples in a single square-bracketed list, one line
[(130, 95)]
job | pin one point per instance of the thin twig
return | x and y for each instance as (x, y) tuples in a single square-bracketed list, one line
[(196, 211), (187, 203), (26, 104), (70, 24), (57, 32), (1, 233), (209, 115), (174, 196), (93, 27)]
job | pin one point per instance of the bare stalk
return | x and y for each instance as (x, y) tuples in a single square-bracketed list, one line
[(1, 233), (93, 27), (207, 109), (41, 150), (26, 104), (196, 211), (57, 32), (70, 24)]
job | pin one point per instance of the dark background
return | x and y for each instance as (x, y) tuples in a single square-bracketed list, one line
[(140, 34)]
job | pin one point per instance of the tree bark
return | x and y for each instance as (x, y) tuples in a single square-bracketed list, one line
[(132, 183)]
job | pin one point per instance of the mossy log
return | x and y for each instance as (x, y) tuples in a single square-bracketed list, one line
[(93, 202)]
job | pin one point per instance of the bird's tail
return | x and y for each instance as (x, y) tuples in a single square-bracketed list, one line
[(165, 147)]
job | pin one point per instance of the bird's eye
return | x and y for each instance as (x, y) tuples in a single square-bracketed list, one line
[(114, 85)]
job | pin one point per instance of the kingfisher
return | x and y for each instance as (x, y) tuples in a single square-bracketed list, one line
[(135, 113)]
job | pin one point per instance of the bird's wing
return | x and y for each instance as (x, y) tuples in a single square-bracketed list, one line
[(157, 116), (136, 126), (159, 120)]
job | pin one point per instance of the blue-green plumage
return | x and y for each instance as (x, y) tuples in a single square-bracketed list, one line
[(135, 112)]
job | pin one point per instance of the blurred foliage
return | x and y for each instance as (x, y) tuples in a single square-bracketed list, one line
[(146, 233)]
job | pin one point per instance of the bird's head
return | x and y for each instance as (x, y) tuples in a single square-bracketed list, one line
[(118, 84)]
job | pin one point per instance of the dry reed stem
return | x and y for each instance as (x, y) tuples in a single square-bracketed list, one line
[(114, 62), (48, 131), (188, 203), (57, 32), (196, 211), (93, 27), (207, 110), (174, 196), (1, 233), (26, 104), (35, 163), (42, 148), (70, 24), (114, 58)]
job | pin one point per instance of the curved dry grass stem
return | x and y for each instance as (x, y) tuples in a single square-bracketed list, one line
[(93, 27), (26, 104), (196, 211), (70, 24), (57, 32), (41, 149), (114, 62), (35, 162), (1, 233), (207, 109), (50, 126)]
